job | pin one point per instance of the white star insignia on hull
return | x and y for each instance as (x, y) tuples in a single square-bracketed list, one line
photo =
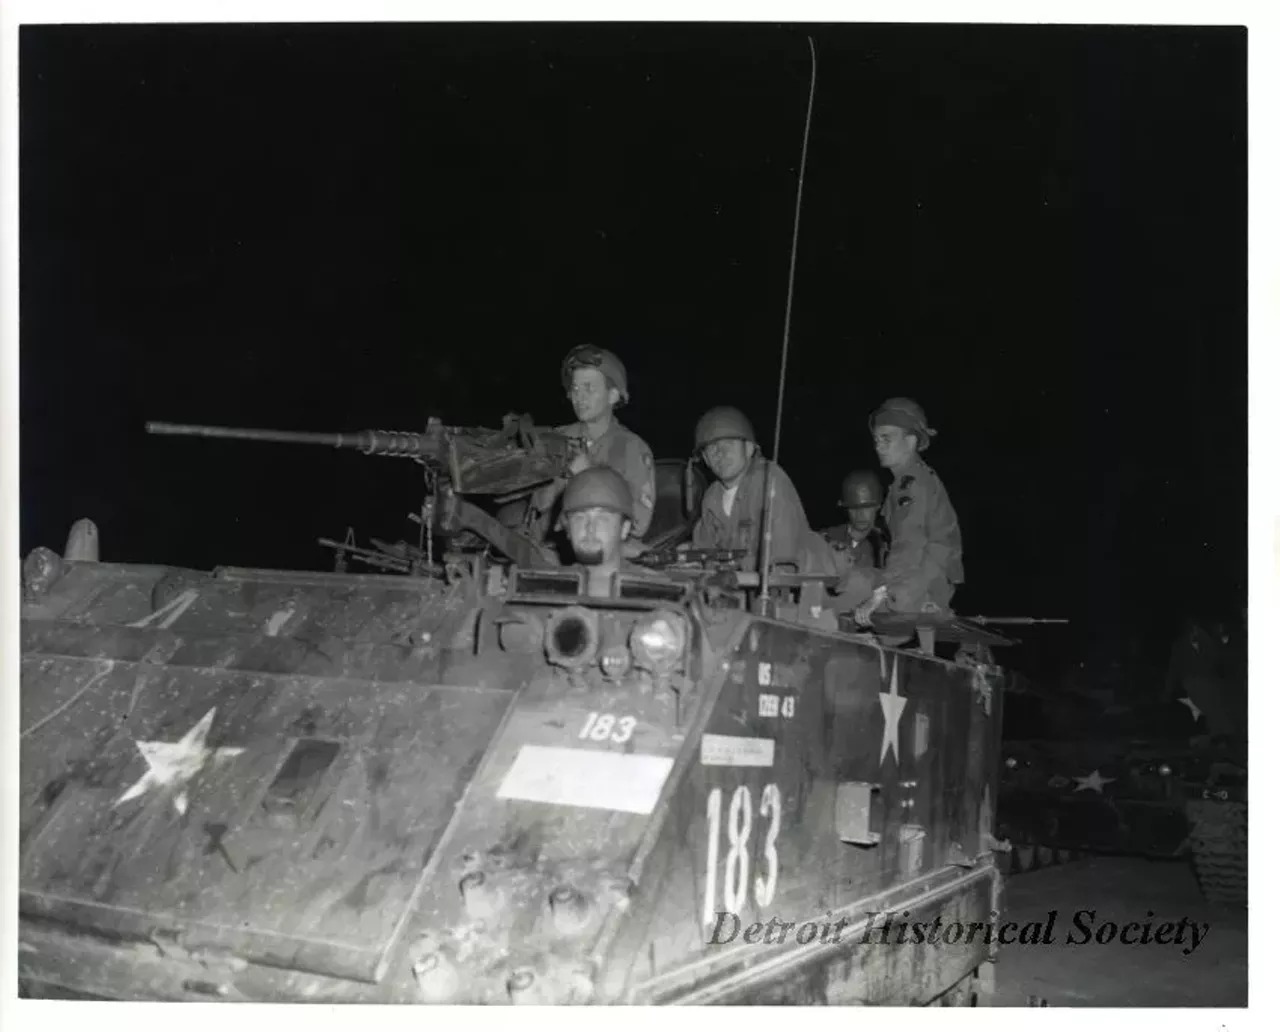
[(1094, 781), (891, 704), (173, 764)]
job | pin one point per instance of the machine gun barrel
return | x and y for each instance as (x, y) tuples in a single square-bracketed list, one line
[(459, 461), (370, 442)]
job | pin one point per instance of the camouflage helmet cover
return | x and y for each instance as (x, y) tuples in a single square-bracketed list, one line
[(907, 414), (861, 489), (588, 356), (598, 487), (721, 422)]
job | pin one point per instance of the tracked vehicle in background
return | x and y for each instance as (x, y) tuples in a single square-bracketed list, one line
[(476, 784), (1219, 828), (1143, 780)]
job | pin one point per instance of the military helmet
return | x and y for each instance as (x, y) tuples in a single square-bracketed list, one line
[(597, 487), (588, 356), (861, 489), (721, 422), (907, 414)]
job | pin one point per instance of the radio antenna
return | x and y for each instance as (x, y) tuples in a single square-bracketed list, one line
[(767, 548)]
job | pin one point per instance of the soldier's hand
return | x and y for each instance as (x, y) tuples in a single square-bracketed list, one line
[(633, 547), (862, 615), (578, 463)]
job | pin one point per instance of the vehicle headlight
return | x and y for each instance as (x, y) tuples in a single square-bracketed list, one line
[(1165, 769), (658, 641), (1011, 762)]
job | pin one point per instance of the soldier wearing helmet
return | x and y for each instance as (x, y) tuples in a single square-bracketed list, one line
[(596, 511), (858, 541), (596, 384), (733, 506), (924, 563)]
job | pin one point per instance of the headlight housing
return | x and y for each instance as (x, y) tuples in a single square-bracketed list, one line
[(658, 642), (572, 637)]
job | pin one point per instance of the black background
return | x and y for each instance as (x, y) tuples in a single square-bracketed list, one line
[(1039, 233)]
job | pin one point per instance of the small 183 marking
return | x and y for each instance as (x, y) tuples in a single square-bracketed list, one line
[(602, 727)]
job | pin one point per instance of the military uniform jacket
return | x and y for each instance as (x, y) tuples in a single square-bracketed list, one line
[(924, 558), (867, 554), (624, 451), (741, 528)]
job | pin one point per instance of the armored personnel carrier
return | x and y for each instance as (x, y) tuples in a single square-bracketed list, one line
[(478, 784)]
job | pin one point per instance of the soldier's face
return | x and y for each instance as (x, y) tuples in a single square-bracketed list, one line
[(727, 458), (894, 446), (861, 520), (590, 394), (596, 535)]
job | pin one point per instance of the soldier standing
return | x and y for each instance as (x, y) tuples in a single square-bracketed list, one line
[(596, 383), (924, 563), (733, 506)]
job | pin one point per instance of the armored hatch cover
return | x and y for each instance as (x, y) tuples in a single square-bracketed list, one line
[(250, 762)]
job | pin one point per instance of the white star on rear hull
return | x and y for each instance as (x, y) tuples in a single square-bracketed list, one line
[(1094, 781), (892, 704), (173, 764)]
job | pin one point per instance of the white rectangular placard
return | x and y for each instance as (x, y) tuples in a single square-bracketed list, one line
[(736, 751), (630, 782)]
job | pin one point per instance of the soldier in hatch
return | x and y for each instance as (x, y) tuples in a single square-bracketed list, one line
[(924, 563), (857, 544), (858, 541), (733, 506), (596, 511), (596, 383)]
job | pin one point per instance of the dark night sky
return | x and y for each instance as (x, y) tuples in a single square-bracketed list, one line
[(1039, 233)]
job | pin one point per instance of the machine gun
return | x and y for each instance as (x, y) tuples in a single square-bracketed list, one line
[(477, 460), (393, 558), (502, 464)]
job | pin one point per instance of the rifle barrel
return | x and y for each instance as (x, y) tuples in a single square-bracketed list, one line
[(1017, 620)]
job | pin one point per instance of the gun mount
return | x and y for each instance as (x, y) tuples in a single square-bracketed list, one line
[(501, 464)]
